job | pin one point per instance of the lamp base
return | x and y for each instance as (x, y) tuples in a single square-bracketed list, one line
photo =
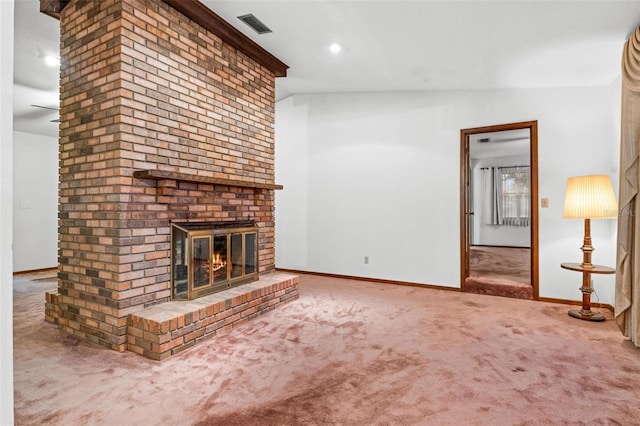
[(586, 315)]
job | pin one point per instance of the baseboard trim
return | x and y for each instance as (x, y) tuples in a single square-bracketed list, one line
[(576, 303), (383, 281), (435, 287), (32, 271), (371, 280), (509, 247)]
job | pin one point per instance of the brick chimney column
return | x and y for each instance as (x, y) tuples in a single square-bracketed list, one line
[(143, 87)]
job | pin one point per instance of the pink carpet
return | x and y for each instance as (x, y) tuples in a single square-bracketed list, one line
[(345, 353), (500, 271)]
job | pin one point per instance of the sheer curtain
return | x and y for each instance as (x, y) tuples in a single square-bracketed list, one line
[(627, 304), (514, 195), (505, 198)]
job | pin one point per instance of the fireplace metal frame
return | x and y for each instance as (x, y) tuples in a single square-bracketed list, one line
[(182, 250)]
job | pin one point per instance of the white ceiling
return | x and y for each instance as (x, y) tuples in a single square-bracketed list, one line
[(497, 146), (387, 45)]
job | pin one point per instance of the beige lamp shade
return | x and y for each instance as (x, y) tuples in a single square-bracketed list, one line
[(590, 197)]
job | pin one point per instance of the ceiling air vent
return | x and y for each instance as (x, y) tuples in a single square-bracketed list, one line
[(254, 23)]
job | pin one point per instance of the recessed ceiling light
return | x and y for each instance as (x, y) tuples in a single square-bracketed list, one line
[(335, 47), (51, 60)]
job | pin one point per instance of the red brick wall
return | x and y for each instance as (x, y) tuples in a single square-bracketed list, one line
[(142, 87)]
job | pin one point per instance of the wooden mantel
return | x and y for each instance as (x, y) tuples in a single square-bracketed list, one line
[(208, 19), (186, 177)]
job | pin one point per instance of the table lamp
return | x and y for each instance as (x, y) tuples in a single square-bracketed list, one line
[(589, 197)]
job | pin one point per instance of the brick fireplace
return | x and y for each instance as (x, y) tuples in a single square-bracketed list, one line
[(162, 120)]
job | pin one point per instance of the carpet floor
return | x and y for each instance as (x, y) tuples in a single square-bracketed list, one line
[(346, 353), (500, 271)]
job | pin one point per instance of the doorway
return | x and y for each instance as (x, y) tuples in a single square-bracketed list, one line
[(499, 210)]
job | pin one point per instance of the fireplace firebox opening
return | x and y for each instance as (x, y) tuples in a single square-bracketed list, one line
[(207, 257)]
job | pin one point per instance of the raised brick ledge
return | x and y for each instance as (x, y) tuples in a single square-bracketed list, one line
[(163, 330)]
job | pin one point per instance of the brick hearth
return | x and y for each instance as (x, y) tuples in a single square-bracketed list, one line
[(163, 330), (144, 88)]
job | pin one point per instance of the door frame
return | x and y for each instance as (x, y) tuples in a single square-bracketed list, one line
[(465, 210)]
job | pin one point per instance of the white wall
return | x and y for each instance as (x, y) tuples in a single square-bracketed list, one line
[(293, 216), (492, 235), (6, 280), (377, 174), (35, 201)]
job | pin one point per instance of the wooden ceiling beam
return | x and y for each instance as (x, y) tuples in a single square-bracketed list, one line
[(208, 19), (53, 7), (211, 21)]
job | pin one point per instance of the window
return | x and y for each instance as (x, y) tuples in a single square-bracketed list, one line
[(514, 195), (506, 196)]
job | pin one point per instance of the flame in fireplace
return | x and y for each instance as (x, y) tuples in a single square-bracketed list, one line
[(218, 263)]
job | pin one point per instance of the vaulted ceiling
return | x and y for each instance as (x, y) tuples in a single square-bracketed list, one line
[(387, 45)]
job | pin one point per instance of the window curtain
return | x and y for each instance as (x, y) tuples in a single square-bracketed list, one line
[(627, 303), (505, 200), (491, 213)]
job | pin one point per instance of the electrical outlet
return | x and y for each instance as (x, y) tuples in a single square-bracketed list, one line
[(366, 260)]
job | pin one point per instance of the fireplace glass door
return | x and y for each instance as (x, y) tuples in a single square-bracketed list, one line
[(220, 258), (201, 261), (211, 257)]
